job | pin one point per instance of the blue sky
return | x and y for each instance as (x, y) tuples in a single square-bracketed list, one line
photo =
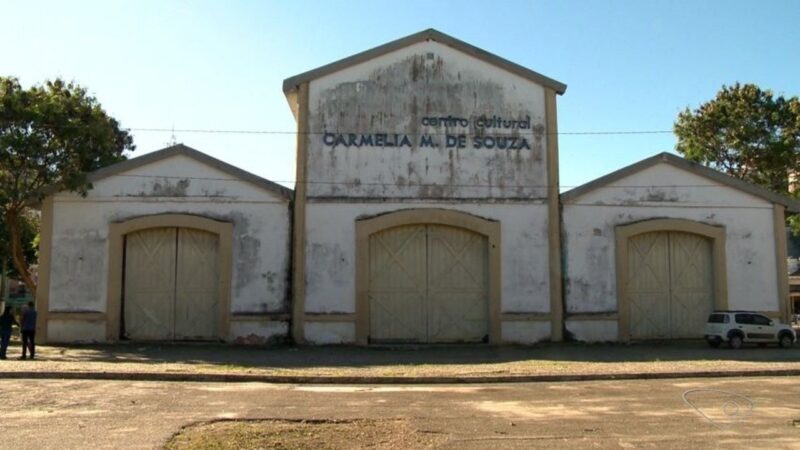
[(629, 65)]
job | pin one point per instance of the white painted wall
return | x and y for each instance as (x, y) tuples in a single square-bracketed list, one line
[(593, 330), (77, 331), (330, 260), (392, 94), (322, 333), (589, 222), (258, 332), (330, 252), (528, 332), (79, 261)]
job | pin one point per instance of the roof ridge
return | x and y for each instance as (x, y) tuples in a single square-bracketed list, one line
[(185, 150), (290, 84), (679, 162)]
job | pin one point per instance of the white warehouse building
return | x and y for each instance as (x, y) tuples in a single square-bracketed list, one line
[(172, 245), (426, 210)]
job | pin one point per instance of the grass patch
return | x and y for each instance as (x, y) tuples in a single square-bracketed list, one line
[(295, 435)]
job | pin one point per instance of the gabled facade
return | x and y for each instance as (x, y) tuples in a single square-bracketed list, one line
[(426, 206), (170, 245), (652, 248)]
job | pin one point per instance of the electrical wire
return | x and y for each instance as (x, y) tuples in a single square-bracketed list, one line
[(501, 132), (412, 184), (231, 131)]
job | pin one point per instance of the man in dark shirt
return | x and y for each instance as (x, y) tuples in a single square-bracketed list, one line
[(28, 330), (7, 321)]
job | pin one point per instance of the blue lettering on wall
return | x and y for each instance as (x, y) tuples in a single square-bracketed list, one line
[(451, 140)]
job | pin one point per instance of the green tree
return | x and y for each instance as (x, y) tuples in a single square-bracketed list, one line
[(51, 137), (746, 132), (29, 230)]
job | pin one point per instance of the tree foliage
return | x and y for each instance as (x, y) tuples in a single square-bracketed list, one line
[(51, 137), (746, 132), (29, 231)]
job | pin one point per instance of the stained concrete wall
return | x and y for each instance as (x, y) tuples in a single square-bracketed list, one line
[(663, 191), (180, 185), (398, 94), (330, 260), (410, 129)]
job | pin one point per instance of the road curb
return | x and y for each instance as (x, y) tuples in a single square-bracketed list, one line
[(279, 379)]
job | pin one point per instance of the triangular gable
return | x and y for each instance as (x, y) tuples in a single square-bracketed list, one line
[(184, 150), (791, 204), (291, 84)]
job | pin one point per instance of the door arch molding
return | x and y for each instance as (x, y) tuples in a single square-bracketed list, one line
[(623, 233), (116, 247), (426, 216)]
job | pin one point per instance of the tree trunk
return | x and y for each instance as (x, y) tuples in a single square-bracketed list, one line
[(17, 257), (3, 277), (3, 282)]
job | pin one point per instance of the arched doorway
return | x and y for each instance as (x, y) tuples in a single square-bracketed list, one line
[(670, 277), (428, 276), (670, 285), (428, 283), (171, 285), (169, 278)]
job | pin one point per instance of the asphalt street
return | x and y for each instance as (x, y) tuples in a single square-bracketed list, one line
[(705, 413)]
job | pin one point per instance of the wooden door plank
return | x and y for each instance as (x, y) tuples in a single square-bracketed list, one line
[(150, 284)]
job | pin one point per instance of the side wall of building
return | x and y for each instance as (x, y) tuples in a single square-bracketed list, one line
[(662, 191), (79, 259)]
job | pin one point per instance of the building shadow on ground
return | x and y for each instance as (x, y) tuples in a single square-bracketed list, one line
[(288, 357)]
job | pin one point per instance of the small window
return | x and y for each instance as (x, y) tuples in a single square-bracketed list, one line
[(718, 318), (760, 320), (744, 319)]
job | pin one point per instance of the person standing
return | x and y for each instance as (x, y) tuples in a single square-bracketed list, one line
[(7, 321), (28, 327)]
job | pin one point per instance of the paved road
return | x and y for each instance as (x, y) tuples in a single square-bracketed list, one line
[(610, 414)]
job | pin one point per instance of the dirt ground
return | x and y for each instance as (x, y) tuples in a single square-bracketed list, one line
[(751, 412), (404, 362)]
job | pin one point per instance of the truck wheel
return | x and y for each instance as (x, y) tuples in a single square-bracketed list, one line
[(736, 342), (713, 343), (785, 340)]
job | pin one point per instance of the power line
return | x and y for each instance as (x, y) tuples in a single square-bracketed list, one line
[(290, 133), (412, 184)]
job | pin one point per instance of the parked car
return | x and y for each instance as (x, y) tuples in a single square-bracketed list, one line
[(740, 327)]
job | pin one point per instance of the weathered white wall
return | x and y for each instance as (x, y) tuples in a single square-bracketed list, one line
[(258, 332), (593, 330), (589, 239), (528, 332), (330, 252), (330, 263), (79, 261), (392, 94), (78, 331), (352, 176), (330, 332)]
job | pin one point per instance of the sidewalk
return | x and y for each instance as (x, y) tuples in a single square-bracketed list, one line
[(404, 365)]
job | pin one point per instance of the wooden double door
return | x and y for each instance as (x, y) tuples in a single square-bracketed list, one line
[(670, 285), (428, 284), (171, 285)]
